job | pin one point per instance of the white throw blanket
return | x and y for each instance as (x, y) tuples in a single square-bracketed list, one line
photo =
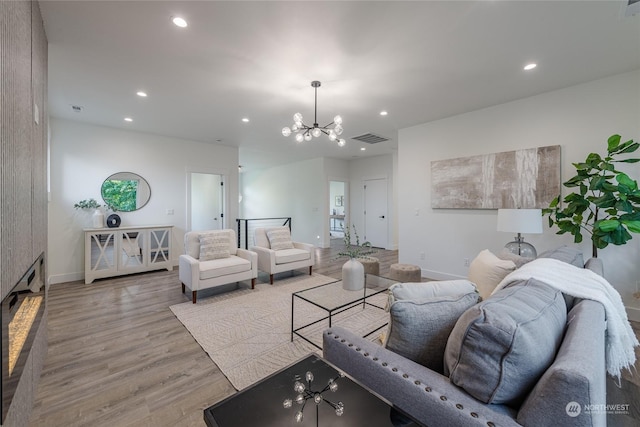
[(584, 283)]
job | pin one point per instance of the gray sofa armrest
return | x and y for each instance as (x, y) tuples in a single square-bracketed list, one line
[(424, 394), (578, 374)]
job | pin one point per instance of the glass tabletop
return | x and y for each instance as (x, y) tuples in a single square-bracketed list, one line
[(333, 296), (263, 403)]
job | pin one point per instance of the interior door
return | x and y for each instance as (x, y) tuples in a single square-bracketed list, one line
[(375, 212), (206, 198)]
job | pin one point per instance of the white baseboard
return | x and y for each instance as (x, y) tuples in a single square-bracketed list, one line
[(67, 277), (633, 313), (439, 275), (72, 277)]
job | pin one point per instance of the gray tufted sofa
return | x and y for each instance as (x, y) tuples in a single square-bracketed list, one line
[(574, 382)]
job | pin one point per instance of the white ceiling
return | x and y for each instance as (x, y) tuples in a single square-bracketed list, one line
[(420, 61)]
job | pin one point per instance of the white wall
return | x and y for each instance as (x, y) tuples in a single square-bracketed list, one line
[(82, 156), (579, 118), (295, 190), (302, 190)]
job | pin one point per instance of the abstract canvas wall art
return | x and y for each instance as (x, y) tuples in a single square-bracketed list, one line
[(528, 178)]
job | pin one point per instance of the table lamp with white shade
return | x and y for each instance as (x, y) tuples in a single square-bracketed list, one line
[(520, 221)]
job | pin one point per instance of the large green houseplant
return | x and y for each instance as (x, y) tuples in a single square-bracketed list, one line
[(606, 203)]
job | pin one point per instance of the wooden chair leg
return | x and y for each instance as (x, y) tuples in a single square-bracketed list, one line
[(194, 296), (271, 279), (253, 283), (183, 288)]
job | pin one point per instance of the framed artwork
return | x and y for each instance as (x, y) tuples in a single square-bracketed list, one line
[(525, 179), (339, 200)]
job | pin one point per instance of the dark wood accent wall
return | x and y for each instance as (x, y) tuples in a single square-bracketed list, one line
[(23, 152)]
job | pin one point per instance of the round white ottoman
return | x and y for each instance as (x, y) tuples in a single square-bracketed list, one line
[(404, 273)]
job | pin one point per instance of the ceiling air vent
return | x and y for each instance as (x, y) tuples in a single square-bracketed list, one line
[(370, 138), (633, 8)]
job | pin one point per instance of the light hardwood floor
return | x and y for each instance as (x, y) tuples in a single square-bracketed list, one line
[(119, 357)]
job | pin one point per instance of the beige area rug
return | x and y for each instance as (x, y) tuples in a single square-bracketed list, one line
[(247, 333)]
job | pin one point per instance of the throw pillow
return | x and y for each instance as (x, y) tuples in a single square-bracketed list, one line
[(214, 245), (279, 238), (499, 348), (487, 270), (420, 325), (565, 253)]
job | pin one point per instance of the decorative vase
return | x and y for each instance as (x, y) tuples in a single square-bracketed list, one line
[(98, 219), (352, 275), (113, 221)]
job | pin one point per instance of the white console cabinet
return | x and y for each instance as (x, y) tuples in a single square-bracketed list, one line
[(124, 250)]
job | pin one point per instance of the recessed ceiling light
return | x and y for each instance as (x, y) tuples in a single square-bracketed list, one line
[(141, 94), (178, 21), (383, 113), (128, 119), (530, 66), (246, 120), (363, 149)]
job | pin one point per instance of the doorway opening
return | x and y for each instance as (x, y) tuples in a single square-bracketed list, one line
[(205, 204), (337, 209)]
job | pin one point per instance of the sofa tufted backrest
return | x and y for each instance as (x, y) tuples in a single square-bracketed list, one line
[(192, 242)]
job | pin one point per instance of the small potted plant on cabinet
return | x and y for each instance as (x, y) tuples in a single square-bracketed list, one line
[(92, 204)]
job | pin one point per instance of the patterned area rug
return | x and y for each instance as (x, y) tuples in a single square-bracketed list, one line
[(247, 333)]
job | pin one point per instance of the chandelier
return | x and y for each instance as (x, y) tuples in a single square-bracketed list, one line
[(306, 133)]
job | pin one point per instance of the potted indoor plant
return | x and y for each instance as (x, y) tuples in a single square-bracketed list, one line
[(353, 270), (606, 203), (92, 204)]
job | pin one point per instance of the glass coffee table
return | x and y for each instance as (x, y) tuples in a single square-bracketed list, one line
[(333, 299), (273, 401)]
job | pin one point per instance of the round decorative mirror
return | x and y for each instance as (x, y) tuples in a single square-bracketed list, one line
[(125, 191)]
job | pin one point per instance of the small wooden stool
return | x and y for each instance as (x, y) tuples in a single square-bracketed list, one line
[(404, 273), (371, 265)]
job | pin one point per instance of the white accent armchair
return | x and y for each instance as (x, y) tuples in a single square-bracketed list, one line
[(230, 264), (272, 261)]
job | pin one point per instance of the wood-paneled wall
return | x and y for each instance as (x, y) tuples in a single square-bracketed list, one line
[(23, 152), (23, 171)]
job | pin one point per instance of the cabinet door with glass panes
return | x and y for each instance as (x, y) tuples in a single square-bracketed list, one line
[(126, 250)]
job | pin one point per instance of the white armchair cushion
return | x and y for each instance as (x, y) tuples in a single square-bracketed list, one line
[(285, 256), (222, 267), (279, 238), (214, 245)]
